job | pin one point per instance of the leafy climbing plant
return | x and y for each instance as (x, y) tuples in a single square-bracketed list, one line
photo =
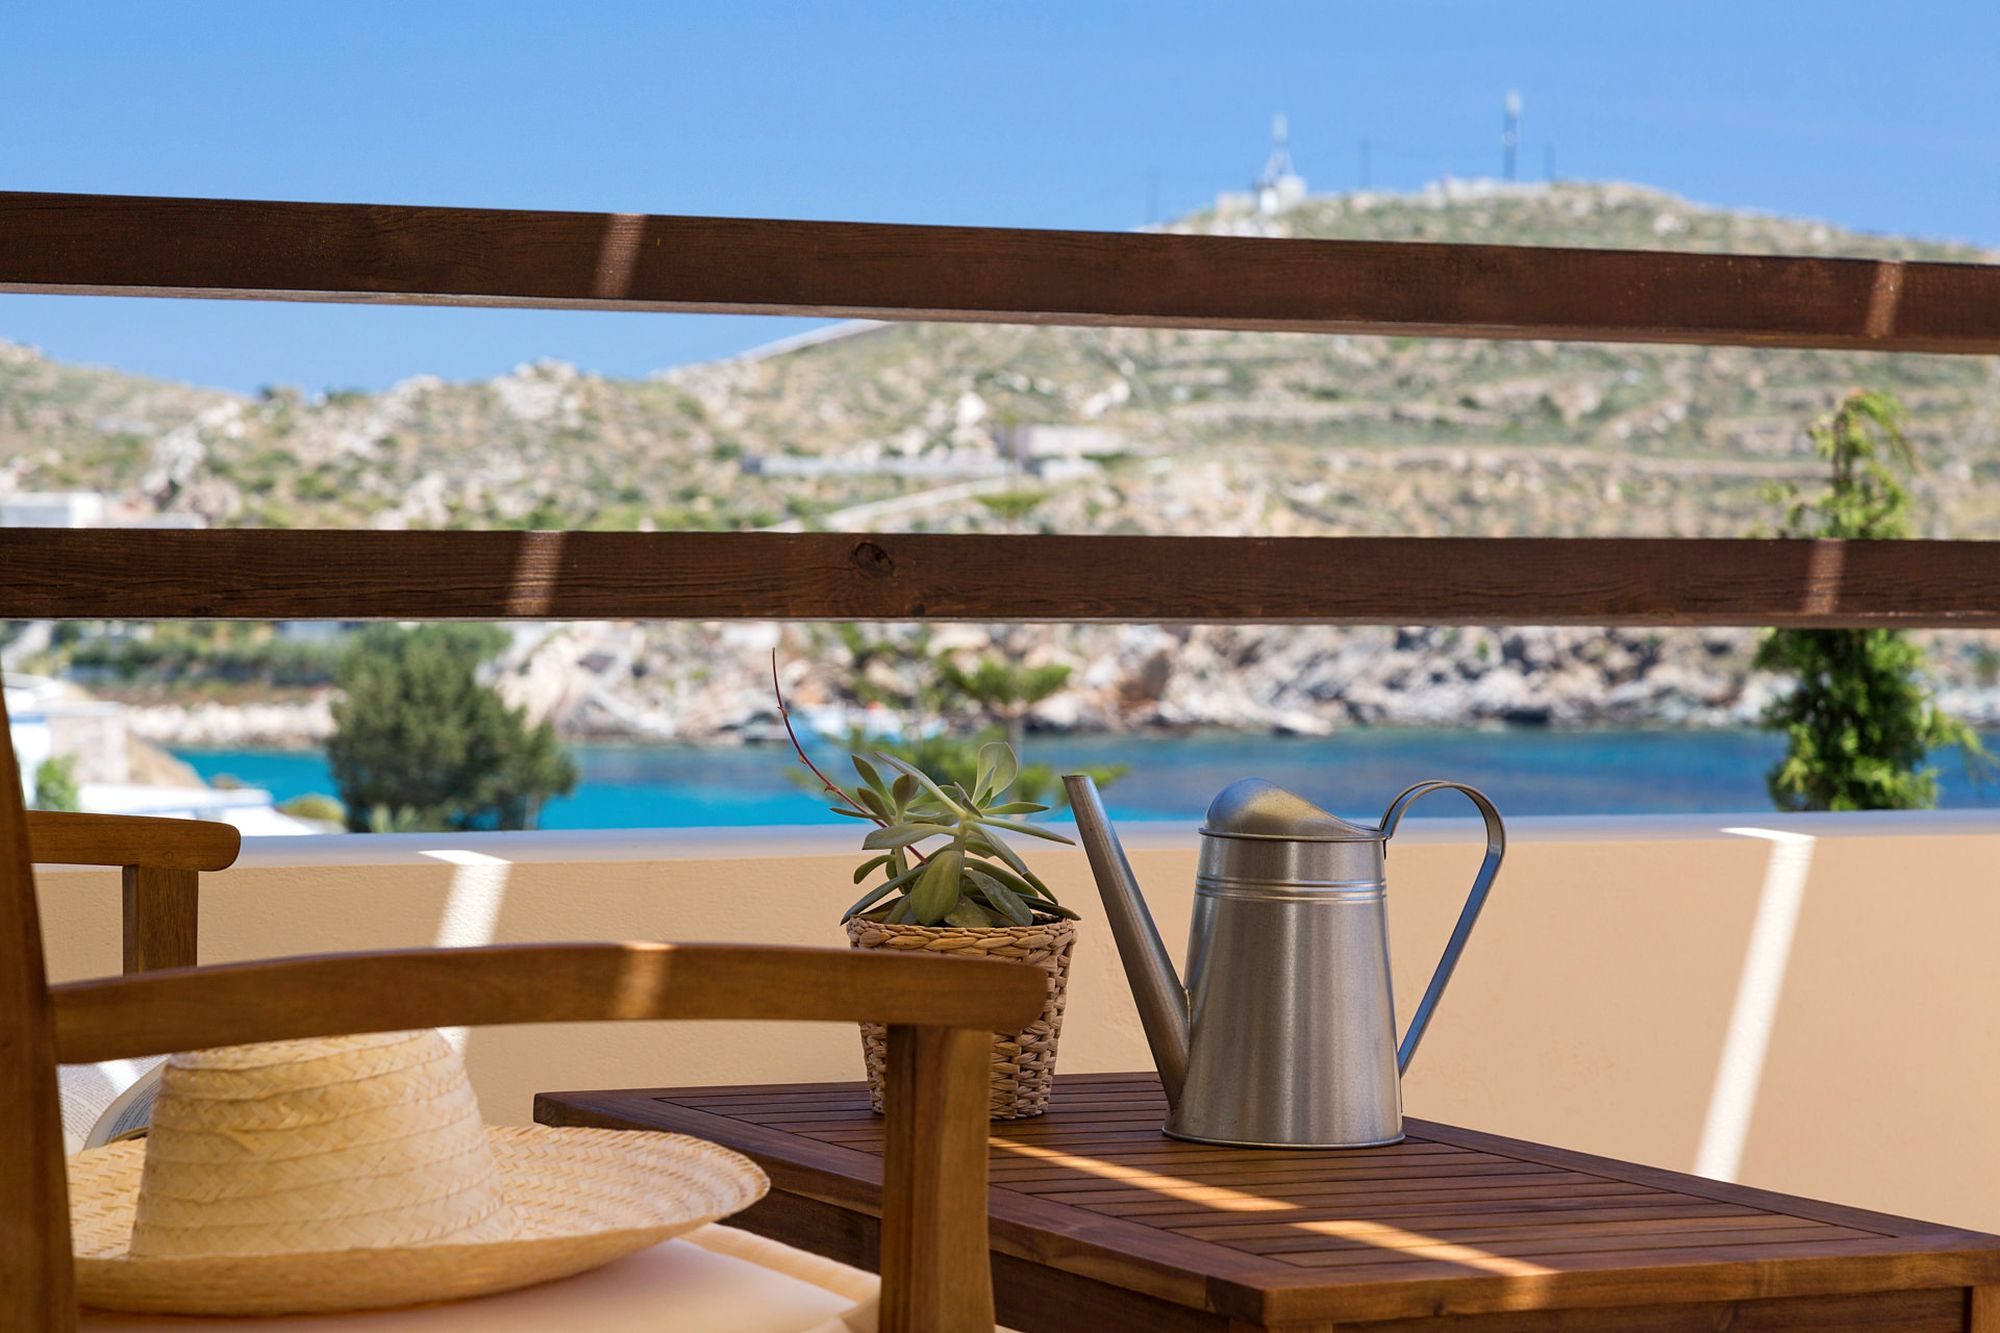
[(1861, 723)]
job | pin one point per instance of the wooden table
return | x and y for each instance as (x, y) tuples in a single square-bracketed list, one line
[(1100, 1222)]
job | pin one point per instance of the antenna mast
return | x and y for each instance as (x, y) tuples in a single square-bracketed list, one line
[(1279, 186), (1510, 135)]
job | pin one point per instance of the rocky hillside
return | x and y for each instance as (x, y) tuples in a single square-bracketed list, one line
[(910, 427)]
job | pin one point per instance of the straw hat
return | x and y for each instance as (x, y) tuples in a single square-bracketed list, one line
[(352, 1173)]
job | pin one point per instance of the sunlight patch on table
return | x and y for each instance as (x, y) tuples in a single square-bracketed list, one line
[(1383, 1236), (1173, 1187)]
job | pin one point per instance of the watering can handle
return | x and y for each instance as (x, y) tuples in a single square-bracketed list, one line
[(1496, 847)]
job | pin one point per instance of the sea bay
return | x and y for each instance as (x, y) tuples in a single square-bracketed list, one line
[(1527, 771)]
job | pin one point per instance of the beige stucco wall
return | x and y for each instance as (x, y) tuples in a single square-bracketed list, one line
[(1592, 1009)]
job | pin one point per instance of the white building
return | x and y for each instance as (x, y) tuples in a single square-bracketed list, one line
[(250, 809), (80, 509), (47, 719), (30, 728), (1031, 443), (52, 509)]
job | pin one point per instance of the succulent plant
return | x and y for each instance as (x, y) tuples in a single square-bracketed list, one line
[(969, 876)]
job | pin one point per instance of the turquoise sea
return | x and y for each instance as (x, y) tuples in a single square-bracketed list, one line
[(1527, 771)]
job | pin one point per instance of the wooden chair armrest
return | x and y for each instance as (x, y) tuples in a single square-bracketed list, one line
[(320, 995), (62, 837), (162, 860)]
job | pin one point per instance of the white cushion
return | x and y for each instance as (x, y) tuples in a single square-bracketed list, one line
[(716, 1280)]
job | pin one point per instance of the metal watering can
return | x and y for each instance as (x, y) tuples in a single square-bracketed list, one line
[(1285, 1034)]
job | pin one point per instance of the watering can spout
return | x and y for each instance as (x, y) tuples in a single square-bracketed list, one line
[(1156, 987)]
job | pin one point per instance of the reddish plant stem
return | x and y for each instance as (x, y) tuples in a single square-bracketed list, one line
[(785, 716), (840, 793)]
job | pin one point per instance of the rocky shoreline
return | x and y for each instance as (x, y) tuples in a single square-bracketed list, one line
[(710, 684), (217, 726)]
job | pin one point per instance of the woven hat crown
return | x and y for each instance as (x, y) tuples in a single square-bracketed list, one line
[(302, 1147)]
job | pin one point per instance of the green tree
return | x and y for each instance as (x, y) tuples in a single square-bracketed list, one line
[(421, 736), (923, 686), (1860, 724), (1012, 507), (55, 783), (1004, 689)]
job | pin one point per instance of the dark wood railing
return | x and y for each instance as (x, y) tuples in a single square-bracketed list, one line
[(265, 575), (111, 246), (100, 245)]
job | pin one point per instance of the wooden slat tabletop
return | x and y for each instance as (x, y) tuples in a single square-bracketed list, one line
[(1450, 1222)]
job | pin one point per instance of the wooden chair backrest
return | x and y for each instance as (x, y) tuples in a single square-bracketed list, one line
[(940, 1012), (162, 860)]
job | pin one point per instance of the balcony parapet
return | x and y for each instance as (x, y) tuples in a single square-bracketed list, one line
[(1753, 994)]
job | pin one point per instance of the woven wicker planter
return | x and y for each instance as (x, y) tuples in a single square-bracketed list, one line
[(1024, 1063)]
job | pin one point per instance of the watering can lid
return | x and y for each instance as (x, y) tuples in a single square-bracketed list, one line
[(1254, 808)]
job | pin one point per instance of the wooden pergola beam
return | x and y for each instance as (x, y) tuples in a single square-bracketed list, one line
[(151, 574), (389, 255)]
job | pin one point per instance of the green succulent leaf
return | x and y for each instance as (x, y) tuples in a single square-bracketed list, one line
[(998, 768), (903, 878), (1030, 830), (871, 799), (937, 890), (1014, 808), (1001, 851), (937, 792), (902, 835), (868, 773), (902, 790), (969, 913), (1027, 888), (990, 844), (869, 867), (1004, 899), (866, 901)]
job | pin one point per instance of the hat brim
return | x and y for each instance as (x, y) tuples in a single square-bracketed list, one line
[(584, 1197)]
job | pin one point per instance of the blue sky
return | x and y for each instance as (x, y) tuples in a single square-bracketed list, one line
[(1879, 116)]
